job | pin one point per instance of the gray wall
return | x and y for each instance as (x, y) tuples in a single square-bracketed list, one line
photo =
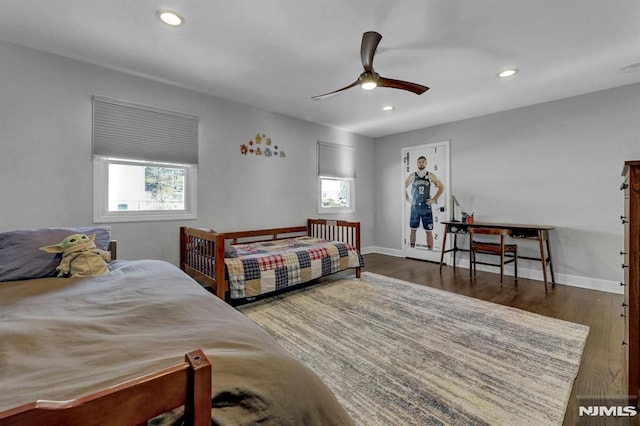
[(46, 168), (557, 163)]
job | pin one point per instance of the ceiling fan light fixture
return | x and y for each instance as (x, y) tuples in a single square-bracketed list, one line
[(369, 85), (508, 73), (170, 17)]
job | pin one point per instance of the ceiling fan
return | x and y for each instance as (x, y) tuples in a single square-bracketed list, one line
[(370, 79)]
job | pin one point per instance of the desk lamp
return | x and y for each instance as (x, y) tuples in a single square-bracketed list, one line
[(454, 203)]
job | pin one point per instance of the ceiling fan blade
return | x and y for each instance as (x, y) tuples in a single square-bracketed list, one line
[(370, 41), (326, 95), (418, 89)]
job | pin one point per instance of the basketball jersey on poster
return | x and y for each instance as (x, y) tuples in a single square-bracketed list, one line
[(420, 189)]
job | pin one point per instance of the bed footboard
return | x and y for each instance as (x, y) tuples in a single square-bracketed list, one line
[(132, 402), (198, 256)]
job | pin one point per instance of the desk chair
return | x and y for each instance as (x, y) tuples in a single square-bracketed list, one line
[(508, 252)]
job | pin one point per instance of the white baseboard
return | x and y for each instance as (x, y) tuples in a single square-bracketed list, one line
[(382, 250), (533, 274)]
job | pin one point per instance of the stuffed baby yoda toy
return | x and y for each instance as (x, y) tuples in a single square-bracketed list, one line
[(80, 256)]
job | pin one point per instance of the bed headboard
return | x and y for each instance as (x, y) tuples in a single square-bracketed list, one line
[(335, 230), (113, 249)]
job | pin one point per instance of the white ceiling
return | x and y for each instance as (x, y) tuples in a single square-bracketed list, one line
[(277, 54)]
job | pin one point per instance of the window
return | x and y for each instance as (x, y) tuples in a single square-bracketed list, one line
[(336, 178), (132, 190), (144, 163), (336, 193)]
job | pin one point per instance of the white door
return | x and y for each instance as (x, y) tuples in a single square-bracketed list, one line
[(415, 238)]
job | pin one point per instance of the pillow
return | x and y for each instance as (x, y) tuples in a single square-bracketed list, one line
[(229, 249), (22, 259)]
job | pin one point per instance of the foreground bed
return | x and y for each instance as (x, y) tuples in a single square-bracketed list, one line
[(242, 265), (66, 338), (183, 388)]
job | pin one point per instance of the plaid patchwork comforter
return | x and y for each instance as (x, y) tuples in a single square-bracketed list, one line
[(266, 266)]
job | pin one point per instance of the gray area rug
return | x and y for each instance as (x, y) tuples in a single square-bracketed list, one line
[(397, 353)]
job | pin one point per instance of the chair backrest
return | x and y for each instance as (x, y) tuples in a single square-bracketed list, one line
[(489, 231)]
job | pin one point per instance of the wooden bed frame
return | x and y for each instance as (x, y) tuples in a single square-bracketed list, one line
[(133, 402), (211, 244)]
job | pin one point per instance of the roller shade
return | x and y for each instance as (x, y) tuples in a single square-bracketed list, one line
[(139, 132), (336, 161)]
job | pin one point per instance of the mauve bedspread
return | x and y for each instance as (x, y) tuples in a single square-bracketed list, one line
[(64, 338)]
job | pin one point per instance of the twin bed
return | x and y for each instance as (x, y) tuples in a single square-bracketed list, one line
[(95, 350), (240, 266)]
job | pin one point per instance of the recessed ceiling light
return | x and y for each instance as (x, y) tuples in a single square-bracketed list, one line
[(388, 108), (508, 73), (170, 17)]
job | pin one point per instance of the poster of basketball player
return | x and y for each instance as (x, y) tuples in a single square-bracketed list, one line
[(425, 201)]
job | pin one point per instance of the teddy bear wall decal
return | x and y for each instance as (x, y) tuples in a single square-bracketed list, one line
[(80, 256)]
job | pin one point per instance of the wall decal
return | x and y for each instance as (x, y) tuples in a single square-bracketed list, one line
[(262, 146)]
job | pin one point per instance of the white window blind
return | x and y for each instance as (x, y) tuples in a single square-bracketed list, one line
[(336, 161), (126, 130)]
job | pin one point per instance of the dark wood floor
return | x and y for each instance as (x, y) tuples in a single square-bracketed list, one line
[(600, 373)]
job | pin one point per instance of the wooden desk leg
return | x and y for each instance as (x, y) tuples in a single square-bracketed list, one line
[(444, 247), (543, 258), (455, 248), (553, 278)]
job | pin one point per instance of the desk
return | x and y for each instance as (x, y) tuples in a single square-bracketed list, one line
[(530, 232)]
